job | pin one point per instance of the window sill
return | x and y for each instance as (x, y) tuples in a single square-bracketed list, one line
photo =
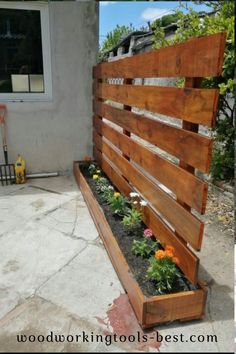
[(29, 97)]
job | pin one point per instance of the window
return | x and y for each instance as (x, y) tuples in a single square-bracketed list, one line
[(25, 62)]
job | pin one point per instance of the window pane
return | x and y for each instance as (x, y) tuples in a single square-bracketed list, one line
[(21, 62), (36, 83), (20, 83)]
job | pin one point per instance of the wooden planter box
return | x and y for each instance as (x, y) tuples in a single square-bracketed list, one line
[(153, 310)]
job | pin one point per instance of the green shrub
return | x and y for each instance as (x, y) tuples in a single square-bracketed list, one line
[(118, 203), (144, 248), (133, 219), (92, 168), (189, 25), (163, 272)]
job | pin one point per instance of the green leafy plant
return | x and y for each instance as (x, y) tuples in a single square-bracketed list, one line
[(144, 248), (165, 20), (106, 192), (162, 269), (190, 24), (101, 183), (132, 219), (92, 168), (104, 189), (113, 38), (163, 272), (118, 203)]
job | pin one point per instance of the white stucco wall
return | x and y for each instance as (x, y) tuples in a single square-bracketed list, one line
[(50, 135)]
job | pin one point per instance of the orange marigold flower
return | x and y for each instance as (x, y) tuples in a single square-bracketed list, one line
[(87, 158), (176, 260), (170, 248), (160, 254), (169, 254)]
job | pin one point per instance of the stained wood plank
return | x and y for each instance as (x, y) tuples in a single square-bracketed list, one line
[(196, 83), (201, 56), (186, 186), (190, 83), (188, 260), (190, 147), (146, 308), (192, 105), (187, 305), (114, 252), (127, 81), (186, 224)]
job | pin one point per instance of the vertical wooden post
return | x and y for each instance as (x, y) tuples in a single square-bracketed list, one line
[(99, 99), (127, 108), (189, 83)]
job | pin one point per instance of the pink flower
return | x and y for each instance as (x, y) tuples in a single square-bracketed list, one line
[(148, 233)]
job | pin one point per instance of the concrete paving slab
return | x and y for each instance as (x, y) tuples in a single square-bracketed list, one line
[(29, 256), (61, 184), (73, 219), (25, 203), (8, 190), (55, 275), (183, 336), (92, 285), (35, 318), (87, 333), (85, 227), (40, 319)]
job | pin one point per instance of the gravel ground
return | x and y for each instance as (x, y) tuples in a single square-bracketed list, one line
[(220, 210)]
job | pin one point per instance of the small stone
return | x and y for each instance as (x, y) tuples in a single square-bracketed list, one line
[(229, 195)]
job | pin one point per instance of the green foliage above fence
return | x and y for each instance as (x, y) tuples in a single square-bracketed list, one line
[(191, 25), (113, 38)]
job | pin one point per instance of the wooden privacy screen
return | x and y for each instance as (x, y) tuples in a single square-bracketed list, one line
[(172, 190)]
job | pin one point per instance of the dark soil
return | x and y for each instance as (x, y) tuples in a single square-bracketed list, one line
[(138, 265)]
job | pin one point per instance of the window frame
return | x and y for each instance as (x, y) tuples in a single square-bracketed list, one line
[(46, 52)]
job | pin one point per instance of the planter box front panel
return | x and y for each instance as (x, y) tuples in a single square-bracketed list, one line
[(149, 310)]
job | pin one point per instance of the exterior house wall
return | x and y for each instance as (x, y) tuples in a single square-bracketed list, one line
[(51, 134)]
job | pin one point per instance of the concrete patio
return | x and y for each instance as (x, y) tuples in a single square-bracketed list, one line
[(55, 276)]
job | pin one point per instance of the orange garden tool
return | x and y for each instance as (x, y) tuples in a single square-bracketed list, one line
[(7, 171)]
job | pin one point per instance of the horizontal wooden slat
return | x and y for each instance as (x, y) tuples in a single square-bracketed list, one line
[(172, 306), (188, 261), (117, 258), (192, 105), (186, 186), (186, 224), (198, 57), (190, 147)]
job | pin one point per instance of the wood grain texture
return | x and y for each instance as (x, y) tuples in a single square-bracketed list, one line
[(187, 305), (127, 81), (188, 260), (185, 223), (189, 83), (118, 260), (192, 105), (190, 147), (202, 56), (149, 310), (186, 186)]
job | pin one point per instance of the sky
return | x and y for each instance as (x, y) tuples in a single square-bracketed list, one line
[(135, 12)]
